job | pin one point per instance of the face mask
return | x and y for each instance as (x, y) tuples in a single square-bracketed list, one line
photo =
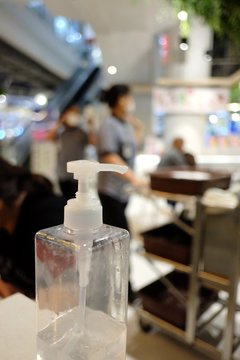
[(131, 107), (73, 120)]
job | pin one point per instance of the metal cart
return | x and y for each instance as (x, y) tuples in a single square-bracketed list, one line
[(215, 244)]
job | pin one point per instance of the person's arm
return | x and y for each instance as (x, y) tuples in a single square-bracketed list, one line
[(113, 158), (91, 129), (108, 147), (92, 138), (53, 133), (138, 128)]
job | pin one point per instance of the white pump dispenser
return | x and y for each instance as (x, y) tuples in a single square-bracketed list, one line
[(82, 270), (85, 211)]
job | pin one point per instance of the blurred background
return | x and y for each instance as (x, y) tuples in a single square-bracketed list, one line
[(184, 71), (181, 59)]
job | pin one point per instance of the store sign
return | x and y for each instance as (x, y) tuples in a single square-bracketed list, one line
[(189, 100)]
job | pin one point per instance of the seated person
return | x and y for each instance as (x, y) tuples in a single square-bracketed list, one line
[(175, 156), (72, 138)]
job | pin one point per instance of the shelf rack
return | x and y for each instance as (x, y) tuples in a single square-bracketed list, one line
[(199, 275)]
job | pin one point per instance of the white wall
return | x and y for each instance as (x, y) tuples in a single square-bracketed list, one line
[(192, 64), (190, 127), (144, 109)]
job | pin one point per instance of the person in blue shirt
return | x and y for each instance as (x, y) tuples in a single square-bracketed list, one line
[(117, 145), (175, 156)]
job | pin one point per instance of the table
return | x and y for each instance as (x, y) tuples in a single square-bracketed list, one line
[(17, 328)]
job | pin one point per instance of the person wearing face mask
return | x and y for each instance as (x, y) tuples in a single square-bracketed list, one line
[(117, 145), (72, 141)]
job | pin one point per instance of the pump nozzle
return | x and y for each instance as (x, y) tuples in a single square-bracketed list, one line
[(85, 211), (83, 169)]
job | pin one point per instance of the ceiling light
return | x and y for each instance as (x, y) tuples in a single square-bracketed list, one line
[(208, 58), (234, 107), (3, 99), (213, 119), (60, 22), (208, 55), (183, 46), (41, 99), (74, 37), (235, 117), (112, 70), (182, 15)]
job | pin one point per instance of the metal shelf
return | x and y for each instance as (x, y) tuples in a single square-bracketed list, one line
[(179, 334), (198, 277), (161, 323), (210, 280), (214, 281), (181, 267)]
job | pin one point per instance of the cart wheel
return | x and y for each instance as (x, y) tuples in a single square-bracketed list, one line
[(145, 326)]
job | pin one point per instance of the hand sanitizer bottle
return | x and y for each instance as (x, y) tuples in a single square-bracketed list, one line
[(82, 278)]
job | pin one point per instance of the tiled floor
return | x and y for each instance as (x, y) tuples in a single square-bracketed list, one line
[(155, 346)]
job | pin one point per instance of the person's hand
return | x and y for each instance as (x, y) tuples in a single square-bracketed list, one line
[(53, 132), (137, 127), (140, 183)]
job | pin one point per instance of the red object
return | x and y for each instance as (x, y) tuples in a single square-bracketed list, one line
[(57, 261)]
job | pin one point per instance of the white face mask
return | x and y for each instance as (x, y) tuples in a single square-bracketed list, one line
[(73, 120), (131, 107)]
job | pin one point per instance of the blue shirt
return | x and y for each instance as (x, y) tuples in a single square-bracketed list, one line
[(116, 137)]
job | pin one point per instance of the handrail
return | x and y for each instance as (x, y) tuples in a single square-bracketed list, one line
[(75, 88)]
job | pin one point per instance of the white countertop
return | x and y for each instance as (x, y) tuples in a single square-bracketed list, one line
[(17, 328)]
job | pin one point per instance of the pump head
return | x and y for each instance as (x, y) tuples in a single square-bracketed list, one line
[(85, 211)]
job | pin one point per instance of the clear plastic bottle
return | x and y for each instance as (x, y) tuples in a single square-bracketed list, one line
[(82, 280)]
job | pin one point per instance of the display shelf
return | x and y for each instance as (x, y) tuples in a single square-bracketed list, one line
[(176, 265), (170, 242), (168, 296), (214, 281), (155, 320), (201, 234)]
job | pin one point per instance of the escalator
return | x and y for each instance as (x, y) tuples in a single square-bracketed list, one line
[(33, 59), (81, 88)]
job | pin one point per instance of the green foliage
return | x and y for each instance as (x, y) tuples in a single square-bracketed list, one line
[(235, 93), (222, 15), (184, 29)]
